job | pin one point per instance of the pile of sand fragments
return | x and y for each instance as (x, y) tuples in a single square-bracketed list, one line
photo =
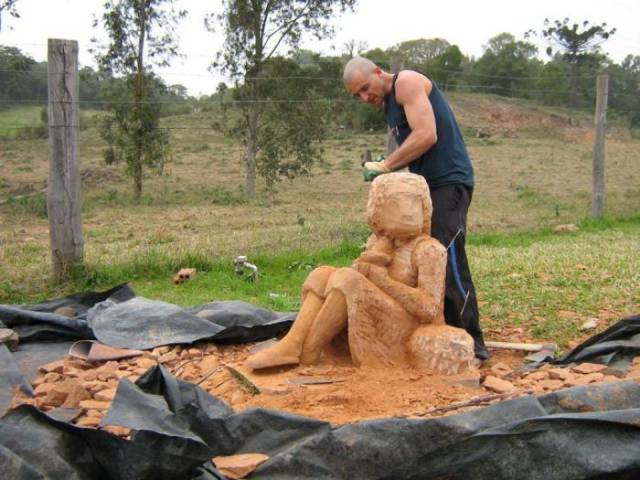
[(334, 390)]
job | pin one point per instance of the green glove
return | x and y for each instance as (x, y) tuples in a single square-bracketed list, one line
[(372, 169)]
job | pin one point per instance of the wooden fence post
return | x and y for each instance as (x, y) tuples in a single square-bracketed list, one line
[(63, 192), (598, 151)]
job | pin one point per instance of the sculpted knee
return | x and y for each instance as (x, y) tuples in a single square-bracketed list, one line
[(343, 279), (317, 281)]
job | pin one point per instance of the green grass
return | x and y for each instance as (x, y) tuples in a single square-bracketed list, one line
[(26, 122), (550, 284), (546, 283), (16, 118), (278, 286)]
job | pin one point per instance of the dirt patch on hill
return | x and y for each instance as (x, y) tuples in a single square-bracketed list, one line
[(504, 119), (99, 176)]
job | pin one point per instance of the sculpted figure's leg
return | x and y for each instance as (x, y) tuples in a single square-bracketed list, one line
[(287, 351), (329, 322), (378, 326)]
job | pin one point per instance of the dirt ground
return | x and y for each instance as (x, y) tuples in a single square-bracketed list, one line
[(334, 390), (351, 394)]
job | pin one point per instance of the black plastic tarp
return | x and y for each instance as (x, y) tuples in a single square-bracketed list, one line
[(117, 317), (576, 433), (141, 323), (590, 432), (38, 322), (10, 377), (616, 346), (120, 319)]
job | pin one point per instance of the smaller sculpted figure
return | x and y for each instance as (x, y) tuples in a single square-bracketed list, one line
[(390, 301)]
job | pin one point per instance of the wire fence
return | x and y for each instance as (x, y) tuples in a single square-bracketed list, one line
[(457, 80), (459, 73), (582, 100)]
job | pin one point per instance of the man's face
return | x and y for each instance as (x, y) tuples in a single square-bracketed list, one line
[(368, 87)]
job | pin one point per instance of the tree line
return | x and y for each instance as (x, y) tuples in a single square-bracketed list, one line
[(280, 106)]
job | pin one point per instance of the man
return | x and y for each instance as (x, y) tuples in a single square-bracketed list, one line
[(431, 145)]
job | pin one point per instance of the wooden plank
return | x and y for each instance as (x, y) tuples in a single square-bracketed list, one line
[(525, 347), (244, 382)]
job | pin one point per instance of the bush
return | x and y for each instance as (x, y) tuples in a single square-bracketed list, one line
[(225, 196), (32, 133)]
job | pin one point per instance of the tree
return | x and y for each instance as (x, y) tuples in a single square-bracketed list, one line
[(380, 57), (255, 31), (14, 71), (446, 68), (418, 53), (91, 83), (8, 6), (624, 90), (579, 46), (290, 136), (553, 83), (354, 47), (179, 91), (134, 135), (140, 33), (506, 65)]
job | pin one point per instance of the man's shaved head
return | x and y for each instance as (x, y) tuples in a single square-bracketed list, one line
[(357, 64)]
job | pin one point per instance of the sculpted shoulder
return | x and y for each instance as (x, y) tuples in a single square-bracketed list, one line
[(429, 247)]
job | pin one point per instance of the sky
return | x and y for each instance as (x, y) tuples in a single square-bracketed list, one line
[(466, 23)]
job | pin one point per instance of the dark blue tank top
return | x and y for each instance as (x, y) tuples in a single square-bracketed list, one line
[(446, 162)]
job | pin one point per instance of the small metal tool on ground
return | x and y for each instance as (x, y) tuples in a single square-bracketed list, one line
[(241, 264)]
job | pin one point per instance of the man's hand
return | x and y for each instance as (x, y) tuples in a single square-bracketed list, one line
[(372, 169)]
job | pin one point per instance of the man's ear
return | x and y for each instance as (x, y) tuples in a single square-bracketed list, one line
[(377, 71)]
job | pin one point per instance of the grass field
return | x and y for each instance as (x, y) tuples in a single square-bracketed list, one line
[(533, 173), (11, 120), (29, 122)]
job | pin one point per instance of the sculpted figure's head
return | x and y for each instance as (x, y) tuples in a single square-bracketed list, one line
[(399, 206)]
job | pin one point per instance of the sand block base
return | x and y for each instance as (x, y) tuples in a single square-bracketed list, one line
[(442, 349)]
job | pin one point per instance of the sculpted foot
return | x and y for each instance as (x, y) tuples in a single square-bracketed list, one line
[(272, 357)]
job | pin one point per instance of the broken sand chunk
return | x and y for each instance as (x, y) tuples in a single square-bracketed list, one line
[(589, 368), (498, 385), (239, 466), (500, 369), (106, 395), (94, 405), (88, 421), (78, 393), (560, 374), (55, 367), (585, 379)]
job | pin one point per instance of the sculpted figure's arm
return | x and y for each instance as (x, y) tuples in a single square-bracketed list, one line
[(378, 252), (423, 301), (411, 93)]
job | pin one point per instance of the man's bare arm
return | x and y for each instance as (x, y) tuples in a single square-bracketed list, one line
[(411, 93)]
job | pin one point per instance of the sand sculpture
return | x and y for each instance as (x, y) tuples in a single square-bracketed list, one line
[(390, 301)]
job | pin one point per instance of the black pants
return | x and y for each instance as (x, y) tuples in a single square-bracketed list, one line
[(449, 226)]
